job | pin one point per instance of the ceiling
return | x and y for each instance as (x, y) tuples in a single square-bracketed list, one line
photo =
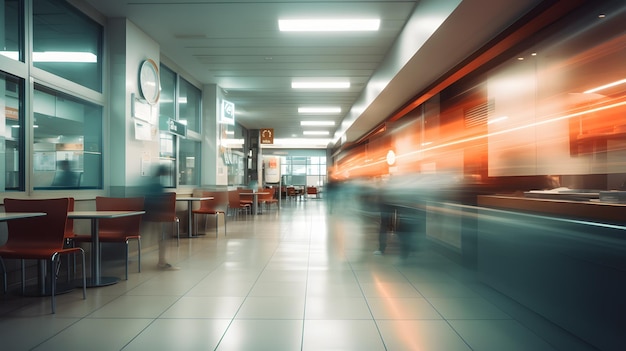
[(237, 45)]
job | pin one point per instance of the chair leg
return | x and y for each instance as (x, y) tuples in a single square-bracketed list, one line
[(139, 255), (23, 273), (53, 281), (225, 225), (82, 253), (217, 222), (177, 224), (126, 262), (4, 272)]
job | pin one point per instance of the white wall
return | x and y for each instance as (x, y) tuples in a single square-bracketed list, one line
[(129, 47)]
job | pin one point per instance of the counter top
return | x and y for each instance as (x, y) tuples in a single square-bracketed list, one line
[(590, 210)]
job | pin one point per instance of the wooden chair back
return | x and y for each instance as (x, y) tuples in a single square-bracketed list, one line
[(123, 225), (38, 232)]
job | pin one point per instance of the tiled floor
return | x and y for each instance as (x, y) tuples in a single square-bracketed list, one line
[(295, 279)]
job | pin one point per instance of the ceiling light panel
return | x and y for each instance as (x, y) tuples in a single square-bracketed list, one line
[(320, 85), (315, 132), (328, 25), (317, 123), (325, 110)]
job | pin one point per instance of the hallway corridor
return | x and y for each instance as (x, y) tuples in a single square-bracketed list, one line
[(298, 278)]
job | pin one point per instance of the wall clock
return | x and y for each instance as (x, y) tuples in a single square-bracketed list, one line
[(149, 83)]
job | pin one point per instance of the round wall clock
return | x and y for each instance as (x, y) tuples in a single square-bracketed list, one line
[(149, 81)]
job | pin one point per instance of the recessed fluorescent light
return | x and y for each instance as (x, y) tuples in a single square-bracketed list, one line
[(319, 109), (229, 142), (328, 25), (299, 142), (56, 56), (320, 85), (315, 132), (317, 123)]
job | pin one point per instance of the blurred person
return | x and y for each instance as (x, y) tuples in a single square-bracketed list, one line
[(64, 176), (154, 189), (386, 217)]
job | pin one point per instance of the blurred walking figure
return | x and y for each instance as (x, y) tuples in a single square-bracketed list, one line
[(155, 209), (386, 217)]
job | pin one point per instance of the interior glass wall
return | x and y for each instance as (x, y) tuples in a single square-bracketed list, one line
[(58, 143), (180, 102), (190, 109), (303, 170), (12, 36), (67, 141), (11, 102), (167, 112)]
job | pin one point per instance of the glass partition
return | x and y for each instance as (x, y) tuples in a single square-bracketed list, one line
[(67, 143), (67, 43), (12, 102), (12, 35)]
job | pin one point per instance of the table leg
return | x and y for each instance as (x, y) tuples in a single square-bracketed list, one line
[(43, 286), (189, 219), (96, 279)]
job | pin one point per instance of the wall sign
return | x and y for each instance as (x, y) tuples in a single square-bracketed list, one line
[(174, 127), (228, 113)]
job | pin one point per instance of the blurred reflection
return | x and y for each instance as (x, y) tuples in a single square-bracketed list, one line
[(65, 177)]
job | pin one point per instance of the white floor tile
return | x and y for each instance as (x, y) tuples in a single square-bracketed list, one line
[(429, 335), (96, 334), (359, 335), (180, 334), (204, 307), (280, 307), (495, 335), (262, 335), (402, 308)]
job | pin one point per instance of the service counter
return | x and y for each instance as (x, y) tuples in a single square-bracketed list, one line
[(563, 259)]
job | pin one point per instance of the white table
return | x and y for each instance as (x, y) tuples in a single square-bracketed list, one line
[(190, 200), (255, 200), (17, 215), (96, 278)]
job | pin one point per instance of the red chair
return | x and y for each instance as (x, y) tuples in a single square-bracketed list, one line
[(215, 207), (269, 198), (235, 204), (311, 190), (118, 230), (40, 238)]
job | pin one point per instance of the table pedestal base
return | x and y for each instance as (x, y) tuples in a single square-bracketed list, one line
[(38, 291), (91, 283)]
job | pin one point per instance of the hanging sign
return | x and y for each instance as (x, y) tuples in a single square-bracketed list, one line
[(174, 127), (228, 113), (267, 136)]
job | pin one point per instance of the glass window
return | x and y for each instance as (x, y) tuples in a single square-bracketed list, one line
[(189, 104), (167, 157), (189, 162), (67, 43), (167, 105), (313, 170), (167, 112), (11, 101), (12, 34), (67, 144)]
